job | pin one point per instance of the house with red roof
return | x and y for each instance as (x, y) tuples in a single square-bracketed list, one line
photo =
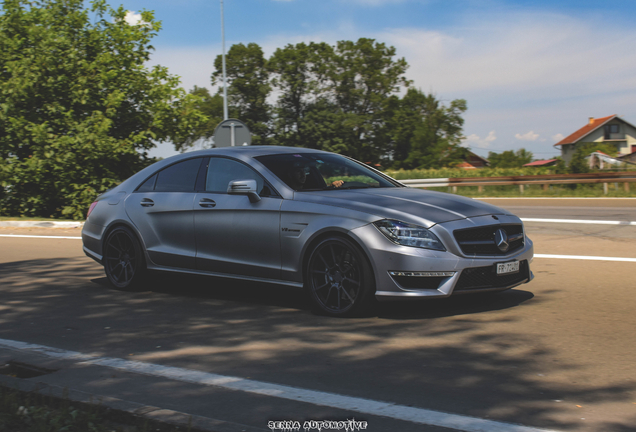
[(473, 161), (608, 130), (542, 163)]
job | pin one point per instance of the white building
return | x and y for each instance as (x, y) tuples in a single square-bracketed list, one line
[(607, 130)]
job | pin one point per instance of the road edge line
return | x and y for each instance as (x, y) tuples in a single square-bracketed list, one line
[(585, 257), (332, 400)]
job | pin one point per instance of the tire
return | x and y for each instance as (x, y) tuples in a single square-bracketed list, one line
[(339, 280), (124, 263)]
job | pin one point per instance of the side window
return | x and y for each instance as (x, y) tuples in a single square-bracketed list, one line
[(180, 177), (148, 185), (222, 171)]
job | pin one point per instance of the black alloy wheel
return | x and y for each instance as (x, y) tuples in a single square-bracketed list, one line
[(339, 280), (123, 259)]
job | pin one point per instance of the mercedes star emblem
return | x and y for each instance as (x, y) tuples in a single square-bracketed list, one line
[(501, 240)]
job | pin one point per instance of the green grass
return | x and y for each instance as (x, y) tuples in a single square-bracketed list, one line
[(555, 191), (34, 412), (462, 173), (29, 218), (574, 190)]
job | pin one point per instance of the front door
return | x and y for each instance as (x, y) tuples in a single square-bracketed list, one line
[(234, 235)]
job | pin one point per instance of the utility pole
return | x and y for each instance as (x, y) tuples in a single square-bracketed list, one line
[(225, 116)]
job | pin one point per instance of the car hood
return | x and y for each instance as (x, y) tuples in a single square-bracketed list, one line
[(411, 205)]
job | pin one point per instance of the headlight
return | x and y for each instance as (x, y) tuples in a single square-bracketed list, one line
[(409, 235)]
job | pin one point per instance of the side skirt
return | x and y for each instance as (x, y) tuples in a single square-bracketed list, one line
[(227, 276)]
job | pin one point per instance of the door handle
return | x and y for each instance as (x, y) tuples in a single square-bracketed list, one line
[(147, 202), (207, 203)]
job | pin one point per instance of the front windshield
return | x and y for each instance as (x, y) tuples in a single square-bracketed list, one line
[(322, 171)]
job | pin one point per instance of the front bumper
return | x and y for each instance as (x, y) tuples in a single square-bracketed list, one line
[(403, 272)]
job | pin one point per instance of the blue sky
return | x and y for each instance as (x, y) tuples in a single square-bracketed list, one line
[(531, 71)]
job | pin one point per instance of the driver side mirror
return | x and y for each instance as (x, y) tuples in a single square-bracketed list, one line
[(244, 187)]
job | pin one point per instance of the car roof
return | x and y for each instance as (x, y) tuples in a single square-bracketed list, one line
[(243, 153), (250, 151)]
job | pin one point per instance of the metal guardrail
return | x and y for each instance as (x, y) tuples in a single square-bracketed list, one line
[(625, 177)]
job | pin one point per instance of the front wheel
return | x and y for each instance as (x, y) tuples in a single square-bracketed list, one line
[(339, 279), (123, 259)]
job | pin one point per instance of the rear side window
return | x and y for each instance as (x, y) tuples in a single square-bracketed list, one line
[(180, 177), (148, 185)]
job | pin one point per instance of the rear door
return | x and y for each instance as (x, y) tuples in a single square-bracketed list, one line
[(162, 210)]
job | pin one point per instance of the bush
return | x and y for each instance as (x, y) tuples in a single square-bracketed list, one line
[(458, 172)]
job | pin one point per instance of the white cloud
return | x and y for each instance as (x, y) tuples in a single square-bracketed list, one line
[(537, 54), (374, 2), (558, 137), (539, 72), (523, 71), (474, 140), (532, 55), (528, 136), (193, 65), (133, 18)]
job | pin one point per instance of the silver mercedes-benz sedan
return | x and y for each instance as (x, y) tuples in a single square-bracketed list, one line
[(345, 232)]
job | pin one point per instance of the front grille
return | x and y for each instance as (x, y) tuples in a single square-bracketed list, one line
[(481, 240), (481, 278)]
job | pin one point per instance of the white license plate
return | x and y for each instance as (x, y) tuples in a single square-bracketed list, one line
[(509, 267)]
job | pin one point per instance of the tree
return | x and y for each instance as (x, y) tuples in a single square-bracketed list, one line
[(211, 107), (79, 110), (510, 158), (364, 75), (333, 98), (343, 98), (299, 73), (425, 132), (589, 147), (248, 87), (579, 164)]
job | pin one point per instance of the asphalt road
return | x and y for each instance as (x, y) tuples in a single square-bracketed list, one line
[(557, 353), (573, 208)]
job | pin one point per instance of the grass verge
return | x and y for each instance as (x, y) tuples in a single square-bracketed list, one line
[(22, 411), (29, 218), (615, 190)]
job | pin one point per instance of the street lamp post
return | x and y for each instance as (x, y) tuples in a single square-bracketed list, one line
[(225, 116)]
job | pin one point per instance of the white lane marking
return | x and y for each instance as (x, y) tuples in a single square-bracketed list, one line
[(555, 198), (580, 221), (364, 406), (36, 236), (585, 257)]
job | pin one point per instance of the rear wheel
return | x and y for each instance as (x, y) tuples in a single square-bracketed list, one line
[(123, 259), (339, 279)]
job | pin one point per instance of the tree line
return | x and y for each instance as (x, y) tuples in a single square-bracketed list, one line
[(79, 109), (351, 98)]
